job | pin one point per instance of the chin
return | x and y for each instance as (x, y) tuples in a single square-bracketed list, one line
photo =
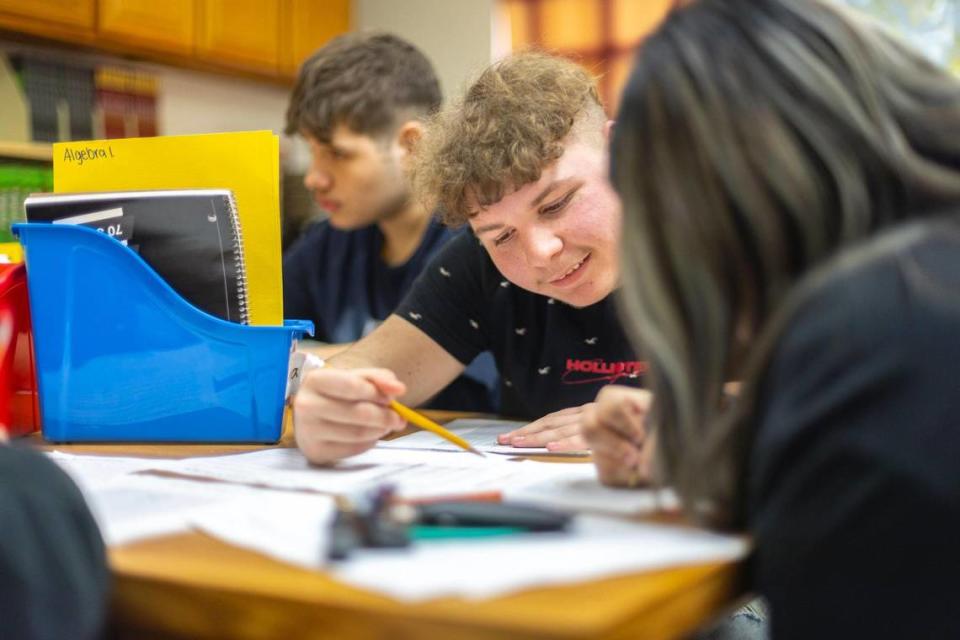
[(346, 224), (583, 298)]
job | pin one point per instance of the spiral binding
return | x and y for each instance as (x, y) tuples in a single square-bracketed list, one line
[(239, 263)]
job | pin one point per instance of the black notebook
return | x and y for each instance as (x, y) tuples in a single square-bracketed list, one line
[(191, 238)]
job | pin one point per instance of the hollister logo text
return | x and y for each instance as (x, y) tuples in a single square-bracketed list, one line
[(592, 371)]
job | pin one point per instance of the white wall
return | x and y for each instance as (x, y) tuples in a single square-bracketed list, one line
[(197, 102), (194, 102), (454, 34)]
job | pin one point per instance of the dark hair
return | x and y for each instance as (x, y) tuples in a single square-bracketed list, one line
[(366, 81), (757, 138)]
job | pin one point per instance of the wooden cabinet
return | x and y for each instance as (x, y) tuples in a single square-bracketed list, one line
[(240, 33), (76, 13), (261, 38), (166, 26), (309, 24), (60, 19)]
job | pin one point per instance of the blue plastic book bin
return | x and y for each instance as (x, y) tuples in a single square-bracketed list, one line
[(122, 357)]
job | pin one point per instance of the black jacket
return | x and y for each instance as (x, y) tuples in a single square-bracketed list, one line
[(854, 480), (54, 581)]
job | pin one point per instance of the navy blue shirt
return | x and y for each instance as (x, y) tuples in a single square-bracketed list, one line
[(550, 355), (338, 280)]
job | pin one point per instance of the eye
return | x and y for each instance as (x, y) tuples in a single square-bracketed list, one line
[(503, 237), (557, 205)]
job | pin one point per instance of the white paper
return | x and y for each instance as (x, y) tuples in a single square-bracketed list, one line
[(578, 490), (413, 473), (294, 526), (481, 434), (291, 527), (90, 471), (137, 507), (484, 568)]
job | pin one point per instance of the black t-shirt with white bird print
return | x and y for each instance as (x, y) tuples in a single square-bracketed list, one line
[(550, 355)]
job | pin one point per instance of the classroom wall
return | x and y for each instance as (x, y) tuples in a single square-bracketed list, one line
[(455, 34), (192, 102)]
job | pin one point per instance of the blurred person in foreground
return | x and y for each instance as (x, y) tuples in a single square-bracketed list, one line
[(790, 178), (54, 581)]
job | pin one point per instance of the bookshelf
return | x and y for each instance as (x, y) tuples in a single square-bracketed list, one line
[(32, 151), (25, 167)]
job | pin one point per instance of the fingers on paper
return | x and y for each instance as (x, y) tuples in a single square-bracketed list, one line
[(546, 436), (569, 443), (538, 432)]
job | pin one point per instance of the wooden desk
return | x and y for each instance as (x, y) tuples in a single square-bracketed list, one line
[(193, 586)]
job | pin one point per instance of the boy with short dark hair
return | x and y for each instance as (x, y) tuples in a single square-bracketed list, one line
[(360, 102)]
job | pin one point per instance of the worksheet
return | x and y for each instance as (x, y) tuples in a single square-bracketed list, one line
[(481, 434), (413, 473), (579, 490), (92, 470)]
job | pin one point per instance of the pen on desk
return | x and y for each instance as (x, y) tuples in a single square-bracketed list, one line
[(425, 423)]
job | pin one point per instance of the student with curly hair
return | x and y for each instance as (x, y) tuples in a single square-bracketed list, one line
[(521, 159)]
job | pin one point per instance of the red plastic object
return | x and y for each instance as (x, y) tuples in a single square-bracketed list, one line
[(19, 409)]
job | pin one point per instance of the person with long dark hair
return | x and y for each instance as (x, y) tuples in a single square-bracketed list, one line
[(790, 179)]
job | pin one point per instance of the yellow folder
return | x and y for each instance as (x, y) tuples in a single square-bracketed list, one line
[(247, 162)]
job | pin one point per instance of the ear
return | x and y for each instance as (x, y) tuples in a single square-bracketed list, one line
[(608, 130), (407, 137)]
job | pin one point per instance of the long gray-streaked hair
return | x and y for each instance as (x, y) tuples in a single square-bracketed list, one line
[(756, 138)]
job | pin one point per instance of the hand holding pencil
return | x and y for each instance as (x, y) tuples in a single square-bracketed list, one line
[(342, 412)]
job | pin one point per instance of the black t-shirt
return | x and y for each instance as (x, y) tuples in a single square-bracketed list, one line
[(550, 355), (54, 581), (337, 280), (854, 478)]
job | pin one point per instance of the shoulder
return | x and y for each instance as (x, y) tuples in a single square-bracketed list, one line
[(856, 443), (320, 241), (888, 297), (461, 253)]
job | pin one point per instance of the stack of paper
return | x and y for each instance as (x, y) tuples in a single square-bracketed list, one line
[(258, 501)]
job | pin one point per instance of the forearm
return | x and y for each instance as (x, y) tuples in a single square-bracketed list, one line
[(419, 362), (323, 350)]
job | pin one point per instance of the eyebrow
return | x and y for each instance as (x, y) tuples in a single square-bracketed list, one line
[(533, 203)]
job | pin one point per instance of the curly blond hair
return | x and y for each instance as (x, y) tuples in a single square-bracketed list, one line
[(510, 124)]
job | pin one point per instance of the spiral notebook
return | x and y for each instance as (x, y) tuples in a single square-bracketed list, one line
[(245, 162), (190, 237)]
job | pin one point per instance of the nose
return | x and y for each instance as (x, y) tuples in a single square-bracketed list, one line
[(317, 179), (541, 245)]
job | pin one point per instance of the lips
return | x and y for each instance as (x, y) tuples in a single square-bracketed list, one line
[(330, 206), (571, 273)]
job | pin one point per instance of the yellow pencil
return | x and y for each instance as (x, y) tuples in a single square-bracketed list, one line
[(419, 420)]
